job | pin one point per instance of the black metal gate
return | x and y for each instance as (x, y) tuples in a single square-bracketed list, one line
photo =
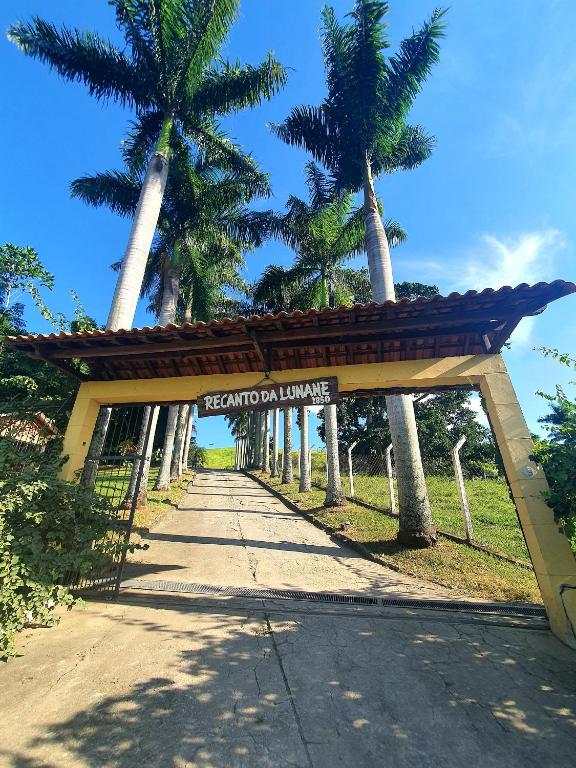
[(115, 467)]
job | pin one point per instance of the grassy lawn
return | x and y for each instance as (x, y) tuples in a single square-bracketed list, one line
[(113, 484), (493, 513), (450, 564), (220, 458)]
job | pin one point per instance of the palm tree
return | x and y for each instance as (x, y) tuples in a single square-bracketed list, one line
[(204, 228), (324, 233), (287, 469), (360, 132), (166, 73)]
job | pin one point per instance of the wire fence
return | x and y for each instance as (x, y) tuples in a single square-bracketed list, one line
[(476, 509)]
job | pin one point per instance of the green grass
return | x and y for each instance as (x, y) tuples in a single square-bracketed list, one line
[(451, 564), (113, 483), (493, 513), (220, 458)]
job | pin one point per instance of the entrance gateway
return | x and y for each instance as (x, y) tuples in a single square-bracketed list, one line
[(425, 345)]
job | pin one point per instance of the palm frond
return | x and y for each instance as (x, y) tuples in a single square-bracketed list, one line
[(410, 67), (277, 286), (320, 186), (309, 128), (210, 23), (409, 149), (395, 234), (232, 87), (118, 191), (86, 58), (140, 140)]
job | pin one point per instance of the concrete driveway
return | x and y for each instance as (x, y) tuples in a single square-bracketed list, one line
[(159, 679)]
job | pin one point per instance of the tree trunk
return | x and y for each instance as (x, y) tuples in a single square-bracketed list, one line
[(416, 527), (287, 471), (90, 469), (189, 433), (131, 274), (258, 440), (334, 493), (129, 282), (163, 480), (176, 464), (275, 440), (140, 448), (305, 478), (266, 443), (142, 499)]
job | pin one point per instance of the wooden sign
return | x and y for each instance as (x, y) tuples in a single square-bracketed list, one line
[(292, 395)]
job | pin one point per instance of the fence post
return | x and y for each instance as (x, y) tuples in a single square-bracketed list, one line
[(390, 478), (462, 489), (350, 474)]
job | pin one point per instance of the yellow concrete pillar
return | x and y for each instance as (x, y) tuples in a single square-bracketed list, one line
[(79, 433), (552, 557)]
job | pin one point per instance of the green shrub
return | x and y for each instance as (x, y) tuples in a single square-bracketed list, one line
[(49, 529), (557, 454)]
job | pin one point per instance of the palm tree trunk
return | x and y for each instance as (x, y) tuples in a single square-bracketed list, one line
[(140, 448), (127, 291), (287, 471), (176, 465), (170, 289), (163, 480), (189, 432), (276, 427), (131, 274), (334, 493), (305, 479), (142, 498), (416, 527), (258, 440), (90, 469), (266, 444)]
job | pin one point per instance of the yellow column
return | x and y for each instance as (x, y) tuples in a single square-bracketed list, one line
[(79, 433), (553, 561)]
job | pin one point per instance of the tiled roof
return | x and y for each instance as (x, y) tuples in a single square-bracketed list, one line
[(469, 323)]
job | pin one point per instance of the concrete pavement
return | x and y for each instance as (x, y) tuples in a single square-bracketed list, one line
[(230, 531), (203, 682)]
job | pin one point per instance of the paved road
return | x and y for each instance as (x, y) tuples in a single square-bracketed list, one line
[(204, 682), (229, 531)]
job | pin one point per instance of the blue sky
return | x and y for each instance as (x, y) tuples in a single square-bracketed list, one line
[(495, 204)]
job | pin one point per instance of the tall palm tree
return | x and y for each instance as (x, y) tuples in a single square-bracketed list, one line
[(204, 228), (166, 73), (359, 132), (324, 233)]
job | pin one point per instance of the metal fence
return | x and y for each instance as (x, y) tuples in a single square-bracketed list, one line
[(478, 510), (118, 478)]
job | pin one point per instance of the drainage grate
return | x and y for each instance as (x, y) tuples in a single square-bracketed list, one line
[(283, 594), (328, 597), (505, 609)]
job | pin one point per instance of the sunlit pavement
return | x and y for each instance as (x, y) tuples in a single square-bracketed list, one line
[(171, 680)]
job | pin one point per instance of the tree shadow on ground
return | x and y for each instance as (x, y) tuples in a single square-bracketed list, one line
[(223, 685)]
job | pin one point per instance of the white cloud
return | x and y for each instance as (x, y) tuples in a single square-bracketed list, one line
[(529, 257)]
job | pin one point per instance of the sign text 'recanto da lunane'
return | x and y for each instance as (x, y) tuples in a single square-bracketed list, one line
[(292, 395)]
